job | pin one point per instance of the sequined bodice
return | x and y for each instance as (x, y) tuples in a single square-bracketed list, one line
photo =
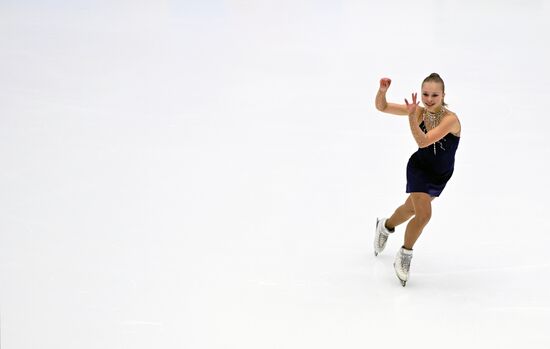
[(440, 155)]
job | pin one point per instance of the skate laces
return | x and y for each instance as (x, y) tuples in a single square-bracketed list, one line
[(406, 262), (382, 234), (382, 238)]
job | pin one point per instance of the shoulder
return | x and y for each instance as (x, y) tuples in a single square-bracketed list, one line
[(451, 116), (451, 113), (453, 119)]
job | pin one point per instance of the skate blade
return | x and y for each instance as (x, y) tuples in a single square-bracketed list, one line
[(403, 283), (376, 227)]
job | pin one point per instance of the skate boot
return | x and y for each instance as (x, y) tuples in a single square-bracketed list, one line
[(381, 235), (402, 264)]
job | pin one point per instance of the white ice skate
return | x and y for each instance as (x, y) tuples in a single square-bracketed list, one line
[(381, 235), (402, 264)]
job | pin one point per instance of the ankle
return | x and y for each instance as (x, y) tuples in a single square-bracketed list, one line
[(389, 227)]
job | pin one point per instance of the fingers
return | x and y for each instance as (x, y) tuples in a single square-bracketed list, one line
[(414, 104), (413, 95)]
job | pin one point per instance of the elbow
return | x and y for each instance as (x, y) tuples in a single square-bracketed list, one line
[(380, 107), (424, 144)]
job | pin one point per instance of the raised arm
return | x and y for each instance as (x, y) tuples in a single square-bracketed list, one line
[(383, 105)]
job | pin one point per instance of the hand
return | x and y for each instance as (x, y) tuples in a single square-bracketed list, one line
[(385, 84), (412, 106)]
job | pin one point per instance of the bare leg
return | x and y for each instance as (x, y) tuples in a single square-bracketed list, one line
[(422, 203), (402, 214)]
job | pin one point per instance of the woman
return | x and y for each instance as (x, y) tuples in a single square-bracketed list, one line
[(436, 130)]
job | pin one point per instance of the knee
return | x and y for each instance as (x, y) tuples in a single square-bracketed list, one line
[(408, 208), (423, 216)]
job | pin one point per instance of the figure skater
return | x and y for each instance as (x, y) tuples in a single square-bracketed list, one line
[(436, 130)]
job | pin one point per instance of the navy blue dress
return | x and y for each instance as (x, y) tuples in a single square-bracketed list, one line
[(430, 168)]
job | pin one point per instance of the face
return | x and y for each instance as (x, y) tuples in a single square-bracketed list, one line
[(432, 95)]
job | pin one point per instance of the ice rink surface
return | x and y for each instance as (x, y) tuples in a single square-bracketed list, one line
[(207, 174)]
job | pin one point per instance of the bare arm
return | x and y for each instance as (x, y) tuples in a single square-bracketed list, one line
[(383, 105), (448, 124)]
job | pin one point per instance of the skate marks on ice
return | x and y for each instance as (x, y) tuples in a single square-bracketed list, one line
[(383, 271), (514, 268), (506, 282), (530, 309), (141, 323)]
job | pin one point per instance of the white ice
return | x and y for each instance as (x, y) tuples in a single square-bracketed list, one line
[(207, 174)]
